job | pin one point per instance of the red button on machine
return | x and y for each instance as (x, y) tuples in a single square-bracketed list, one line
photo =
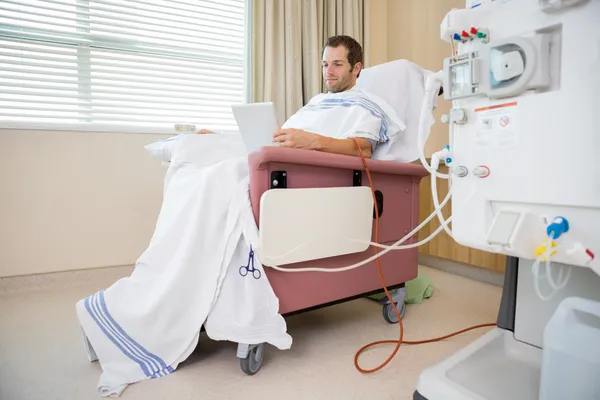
[(482, 171)]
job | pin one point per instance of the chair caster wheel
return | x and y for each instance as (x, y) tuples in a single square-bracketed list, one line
[(253, 361), (389, 315)]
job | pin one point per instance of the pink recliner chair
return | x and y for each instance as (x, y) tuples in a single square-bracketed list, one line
[(396, 182)]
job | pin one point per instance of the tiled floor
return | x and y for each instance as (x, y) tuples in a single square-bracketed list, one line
[(42, 354)]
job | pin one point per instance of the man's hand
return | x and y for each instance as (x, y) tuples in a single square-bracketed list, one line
[(297, 138)]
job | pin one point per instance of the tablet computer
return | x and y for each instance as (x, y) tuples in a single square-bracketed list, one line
[(257, 123)]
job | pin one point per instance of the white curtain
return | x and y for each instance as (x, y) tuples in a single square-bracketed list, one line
[(287, 40)]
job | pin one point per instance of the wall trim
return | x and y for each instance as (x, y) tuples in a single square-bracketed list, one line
[(61, 280), (465, 270)]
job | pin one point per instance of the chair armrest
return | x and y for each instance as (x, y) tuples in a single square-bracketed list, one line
[(259, 160)]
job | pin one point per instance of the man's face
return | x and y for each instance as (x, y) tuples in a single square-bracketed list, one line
[(337, 72)]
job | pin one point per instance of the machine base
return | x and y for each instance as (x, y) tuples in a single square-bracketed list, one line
[(494, 367)]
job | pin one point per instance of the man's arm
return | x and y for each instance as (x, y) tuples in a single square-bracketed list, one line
[(344, 146), (300, 139)]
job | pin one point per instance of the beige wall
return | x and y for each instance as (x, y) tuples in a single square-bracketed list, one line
[(414, 30), (75, 200), (378, 35), (409, 29)]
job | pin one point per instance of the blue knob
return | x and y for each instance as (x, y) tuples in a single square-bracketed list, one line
[(558, 226)]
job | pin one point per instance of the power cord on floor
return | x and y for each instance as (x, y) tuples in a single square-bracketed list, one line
[(400, 340)]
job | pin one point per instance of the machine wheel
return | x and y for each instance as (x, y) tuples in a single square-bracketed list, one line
[(389, 315), (253, 361)]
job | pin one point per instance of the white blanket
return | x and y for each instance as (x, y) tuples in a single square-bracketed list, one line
[(144, 325)]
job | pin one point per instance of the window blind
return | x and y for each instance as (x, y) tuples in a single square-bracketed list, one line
[(122, 65)]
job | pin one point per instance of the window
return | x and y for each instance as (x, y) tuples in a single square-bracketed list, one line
[(121, 65)]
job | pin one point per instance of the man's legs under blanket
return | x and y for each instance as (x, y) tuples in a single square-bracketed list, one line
[(144, 325)]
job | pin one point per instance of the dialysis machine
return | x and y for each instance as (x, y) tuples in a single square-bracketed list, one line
[(524, 80)]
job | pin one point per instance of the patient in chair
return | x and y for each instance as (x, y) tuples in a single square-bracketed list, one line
[(192, 273), (330, 122)]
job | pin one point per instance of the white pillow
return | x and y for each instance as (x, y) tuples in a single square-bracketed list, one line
[(163, 149), (401, 83)]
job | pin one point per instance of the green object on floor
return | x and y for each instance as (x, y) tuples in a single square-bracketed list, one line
[(416, 290)]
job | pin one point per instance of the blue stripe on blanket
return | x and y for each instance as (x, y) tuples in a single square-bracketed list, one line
[(145, 354), (365, 103), (152, 365)]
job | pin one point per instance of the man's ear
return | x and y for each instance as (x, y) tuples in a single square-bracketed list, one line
[(357, 68)]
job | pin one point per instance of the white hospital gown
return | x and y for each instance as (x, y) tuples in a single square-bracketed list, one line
[(352, 113)]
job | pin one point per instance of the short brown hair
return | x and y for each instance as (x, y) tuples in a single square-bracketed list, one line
[(355, 51)]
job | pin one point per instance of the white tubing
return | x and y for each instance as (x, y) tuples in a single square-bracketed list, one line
[(395, 246), (412, 246), (535, 269), (436, 204), (432, 88), (561, 282)]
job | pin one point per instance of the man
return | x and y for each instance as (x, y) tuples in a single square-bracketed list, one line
[(330, 122)]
